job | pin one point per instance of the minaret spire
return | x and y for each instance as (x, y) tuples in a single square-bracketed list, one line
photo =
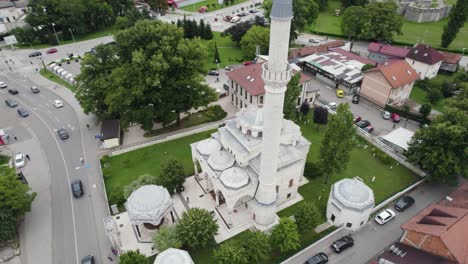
[(276, 74)]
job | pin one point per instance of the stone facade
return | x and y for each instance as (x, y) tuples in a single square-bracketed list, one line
[(423, 10)]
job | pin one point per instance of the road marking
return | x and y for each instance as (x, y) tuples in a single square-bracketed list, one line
[(77, 168), (66, 171)]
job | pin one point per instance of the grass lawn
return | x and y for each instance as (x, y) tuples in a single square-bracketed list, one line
[(418, 94), (413, 32), (211, 4), (229, 52), (53, 77), (4, 159), (127, 167)]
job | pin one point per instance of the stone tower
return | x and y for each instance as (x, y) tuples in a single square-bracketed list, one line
[(276, 74)]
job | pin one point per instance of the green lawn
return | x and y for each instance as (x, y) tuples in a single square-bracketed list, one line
[(4, 159), (211, 4), (229, 52), (418, 94), (53, 77), (125, 168), (413, 32)]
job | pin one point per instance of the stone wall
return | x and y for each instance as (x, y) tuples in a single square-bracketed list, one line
[(422, 10)]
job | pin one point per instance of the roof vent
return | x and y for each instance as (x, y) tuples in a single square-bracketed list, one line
[(416, 52), (394, 78), (440, 213), (251, 80), (248, 77), (395, 250), (448, 198), (408, 72), (425, 54)]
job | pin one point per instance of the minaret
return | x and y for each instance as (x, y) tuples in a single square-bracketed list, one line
[(276, 74)]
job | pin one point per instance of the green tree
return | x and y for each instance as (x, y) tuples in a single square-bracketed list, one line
[(351, 23), (197, 228), (256, 36), (307, 217), (425, 110), (133, 257), (441, 148), (216, 58), (166, 238), (322, 4), (159, 6), (172, 175), (305, 12), (349, 3), (367, 67), (257, 247), (230, 253), (8, 226), (337, 142), (143, 180), (290, 98), (305, 108), (434, 94), (237, 31), (456, 20), (380, 21), (207, 32), (285, 236)]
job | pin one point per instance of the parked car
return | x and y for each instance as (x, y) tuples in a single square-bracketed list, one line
[(341, 244), (395, 117), (363, 123), (87, 260), (386, 115), (331, 106), (253, 11), (339, 93), (227, 18), (404, 203), (228, 68), (20, 160), (34, 89), (235, 19), (357, 118), (3, 85), (319, 258), (245, 63), (312, 40), (243, 14), (77, 188), (213, 73), (58, 103), (11, 103), (63, 134), (13, 91), (356, 98), (52, 50), (22, 112), (384, 216), (369, 129), (35, 54)]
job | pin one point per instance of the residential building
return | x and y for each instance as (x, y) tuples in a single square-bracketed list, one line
[(450, 62), (336, 67), (382, 53), (9, 15), (246, 87), (389, 84), (309, 50), (400, 253), (425, 60)]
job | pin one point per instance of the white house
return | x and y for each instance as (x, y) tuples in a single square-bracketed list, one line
[(425, 60)]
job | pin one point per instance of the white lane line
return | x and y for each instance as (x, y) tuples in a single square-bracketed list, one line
[(66, 172)]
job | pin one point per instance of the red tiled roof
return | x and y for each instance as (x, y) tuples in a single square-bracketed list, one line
[(459, 197), (425, 54), (452, 58), (387, 49), (306, 51), (397, 73), (353, 56), (450, 224), (250, 78)]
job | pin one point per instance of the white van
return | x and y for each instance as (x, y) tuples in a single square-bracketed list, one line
[(235, 19)]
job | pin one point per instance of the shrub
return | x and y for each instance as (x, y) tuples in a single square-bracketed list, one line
[(105, 159), (312, 170), (215, 113), (116, 198)]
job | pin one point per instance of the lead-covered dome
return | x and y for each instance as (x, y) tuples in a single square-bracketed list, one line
[(353, 193), (208, 146), (148, 204), (221, 160), (250, 120), (234, 178), (173, 256)]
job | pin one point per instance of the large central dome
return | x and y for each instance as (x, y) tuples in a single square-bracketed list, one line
[(250, 119)]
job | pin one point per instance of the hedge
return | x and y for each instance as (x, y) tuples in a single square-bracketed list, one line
[(411, 115)]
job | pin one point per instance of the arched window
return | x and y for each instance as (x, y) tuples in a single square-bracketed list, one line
[(260, 134), (291, 183), (249, 132), (277, 188)]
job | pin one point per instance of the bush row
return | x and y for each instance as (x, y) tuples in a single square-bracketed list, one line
[(411, 115)]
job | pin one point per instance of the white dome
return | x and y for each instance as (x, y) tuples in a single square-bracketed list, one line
[(234, 178), (251, 118), (208, 146), (290, 128), (221, 160), (173, 256), (353, 194), (148, 204)]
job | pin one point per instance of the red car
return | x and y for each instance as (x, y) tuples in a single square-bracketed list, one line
[(52, 50), (247, 63), (395, 117), (357, 118)]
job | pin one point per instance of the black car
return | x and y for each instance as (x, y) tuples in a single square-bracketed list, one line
[(35, 54), (341, 244), (320, 258), (63, 134), (243, 14), (403, 203), (355, 99), (77, 189), (22, 112), (34, 89), (13, 91), (11, 103), (253, 11), (213, 72), (363, 123), (87, 260)]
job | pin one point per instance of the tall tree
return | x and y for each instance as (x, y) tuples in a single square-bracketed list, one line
[(307, 217), (337, 142), (238, 31), (305, 12), (425, 110), (207, 33), (285, 236), (380, 21), (146, 179), (349, 3), (197, 228), (257, 247), (322, 4), (216, 58), (133, 257), (351, 24), (172, 175), (8, 226), (290, 98), (166, 238), (441, 149), (457, 18), (230, 253), (256, 36), (159, 6), (305, 108)]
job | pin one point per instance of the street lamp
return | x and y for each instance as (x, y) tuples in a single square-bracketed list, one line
[(71, 32), (55, 32), (27, 43), (463, 53)]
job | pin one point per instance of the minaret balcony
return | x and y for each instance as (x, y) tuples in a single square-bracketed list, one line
[(276, 79)]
